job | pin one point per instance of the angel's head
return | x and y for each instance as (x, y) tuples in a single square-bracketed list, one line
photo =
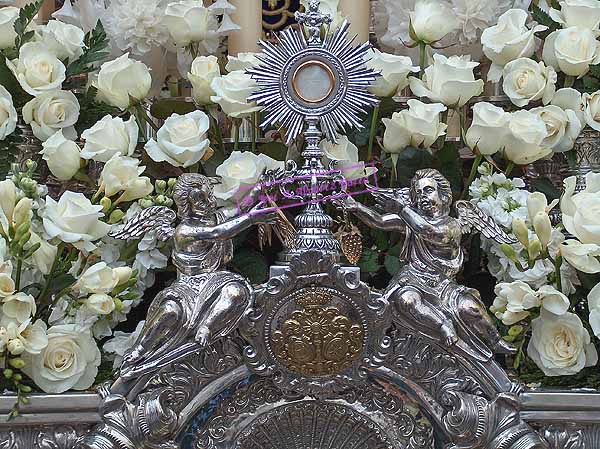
[(430, 193), (194, 196)]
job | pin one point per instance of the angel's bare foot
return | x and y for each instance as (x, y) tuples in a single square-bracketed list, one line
[(203, 336), (504, 347), (449, 336)]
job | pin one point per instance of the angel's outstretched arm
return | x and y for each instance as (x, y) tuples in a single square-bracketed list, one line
[(415, 221), (223, 231), (385, 222)]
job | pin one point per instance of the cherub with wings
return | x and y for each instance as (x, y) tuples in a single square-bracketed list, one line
[(206, 302), (425, 291)]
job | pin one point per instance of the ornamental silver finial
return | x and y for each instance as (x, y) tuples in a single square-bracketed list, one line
[(312, 20)]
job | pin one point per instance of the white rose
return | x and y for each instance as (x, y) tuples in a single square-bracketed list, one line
[(240, 172), (122, 78), (583, 257), (8, 16), (8, 113), (572, 50), (37, 69), (510, 39), (513, 300), (19, 306), (526, 80), (182, 140), (203, 71), (394, 72), (243, 61), (560, 345), (122, 174), (7, 285), (581, 211), (489, 129), (62, 156), (99, 278), (232, 91), (581, 13), (524, 143), (418, 126), (51, 111), (591, 109), (563, 127), (100, 303), (569, 98), (63, 40), (110, 136), (345, 153), (31, 337), (74, 219), (189, 21), (431, 20), (449, 80), (594, 308), (70, 360)]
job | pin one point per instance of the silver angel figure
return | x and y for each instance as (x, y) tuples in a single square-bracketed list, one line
[(206, 302), (425, 291)]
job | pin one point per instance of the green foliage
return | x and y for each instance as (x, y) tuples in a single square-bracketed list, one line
[(26, 15), (543, 19), (10, 83), (91, 110), (96, 49), (545, 186), (250, 264), (392, 264), (360, 137), (369, 262), (163, 109)]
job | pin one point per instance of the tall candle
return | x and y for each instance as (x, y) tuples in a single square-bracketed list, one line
[(248, 15), (358, 13)]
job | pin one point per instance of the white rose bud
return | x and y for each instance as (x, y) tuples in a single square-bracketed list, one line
[(8, 113), (449, 80), (232, 92), (99, 278), (8, 16), (431, 21), (417, 126), (526, 80), (243, 61), (65, 41), (37, 70), (572, 50), (591, 109), (122, 174), (121, 79), (123, 274), (15, 347), (108, 137), (580, 13), (100, 303), (182, 140), (62, 156), (51, 111), (203, 71), (510, 39), (74, 219), (189, 21), (581, 210), (524, 143), (560, 345), (488, 132), (394, 72)]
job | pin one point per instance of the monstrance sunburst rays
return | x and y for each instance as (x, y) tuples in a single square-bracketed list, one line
[(289, 96)]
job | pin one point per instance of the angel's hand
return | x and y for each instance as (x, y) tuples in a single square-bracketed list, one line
[(260, 215), (348, 203)]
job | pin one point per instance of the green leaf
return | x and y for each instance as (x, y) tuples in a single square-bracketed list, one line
[(251, 264), (392, 264), (381, 240), (26, 15), (60, 282), (369, 262), (276, 150), (10, 83), (543, 19), (545, 186), (96, 49), (449, 163), (163, 109)]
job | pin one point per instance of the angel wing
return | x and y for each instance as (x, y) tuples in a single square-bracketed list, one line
[(156, 218), (470, 216), (391, 200)]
